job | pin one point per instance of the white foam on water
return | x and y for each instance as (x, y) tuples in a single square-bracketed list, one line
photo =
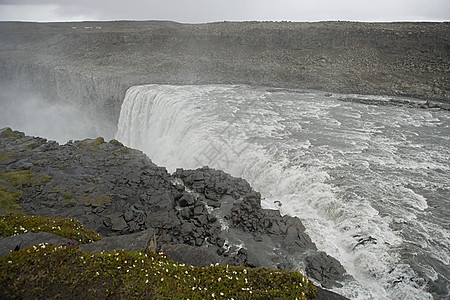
[(337, 166)]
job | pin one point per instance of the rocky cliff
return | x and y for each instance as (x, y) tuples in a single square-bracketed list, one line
[(91, 64), (199, 217)]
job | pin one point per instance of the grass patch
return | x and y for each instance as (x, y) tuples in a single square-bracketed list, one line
[(17, 178), (11, 180), (65, 272), (6, 155), (116, 143), (122, 148), (90, 144), (65, 227), (8, 200)]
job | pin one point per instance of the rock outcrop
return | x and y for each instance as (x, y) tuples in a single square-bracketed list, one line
[(198, 216), (22, 241)]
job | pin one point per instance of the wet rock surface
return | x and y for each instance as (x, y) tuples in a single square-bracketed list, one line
[(198, 216)]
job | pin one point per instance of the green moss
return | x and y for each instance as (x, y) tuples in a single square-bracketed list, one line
[(59, 271), (82, 144), (90, 144), (17, 178), (116, 143), (5, 155), (68, 196), (124, 150), (65, 227), (10, 185), (121, 147), (32, 146), (98, 142), (100, 199), (8, 133), (8, 200)]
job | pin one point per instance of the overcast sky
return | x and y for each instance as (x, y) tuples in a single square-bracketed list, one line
[(200, 11)]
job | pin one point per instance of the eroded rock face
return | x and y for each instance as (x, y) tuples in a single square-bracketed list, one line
[(93, 68), (198, 216)]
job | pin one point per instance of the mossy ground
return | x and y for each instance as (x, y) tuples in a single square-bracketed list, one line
[(10, 188), (8, 200), (6, 155), (90, 144), (70, 228), (8, 133), (45, 271)]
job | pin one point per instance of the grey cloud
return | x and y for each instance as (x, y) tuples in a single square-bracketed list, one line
[(206, 11)]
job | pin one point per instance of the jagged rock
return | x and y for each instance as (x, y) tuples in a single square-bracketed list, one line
[(186, 200), (21, 241), (118, 223), (324, 268)]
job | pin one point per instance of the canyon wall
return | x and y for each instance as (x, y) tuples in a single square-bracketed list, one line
[(91, 64)]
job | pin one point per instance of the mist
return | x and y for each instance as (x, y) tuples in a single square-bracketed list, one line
[(37, 116)]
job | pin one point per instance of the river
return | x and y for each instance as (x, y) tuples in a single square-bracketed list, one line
[(371, 183)]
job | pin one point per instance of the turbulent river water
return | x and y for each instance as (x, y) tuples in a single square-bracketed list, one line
[(371, 183)]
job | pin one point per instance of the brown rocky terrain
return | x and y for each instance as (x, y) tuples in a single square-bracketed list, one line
[(93, 63)]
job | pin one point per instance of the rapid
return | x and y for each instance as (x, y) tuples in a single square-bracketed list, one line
[(371, 183)]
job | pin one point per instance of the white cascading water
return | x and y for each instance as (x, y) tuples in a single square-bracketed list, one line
[(370, 183)]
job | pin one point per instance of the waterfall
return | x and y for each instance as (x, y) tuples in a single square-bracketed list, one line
[(345, 169)]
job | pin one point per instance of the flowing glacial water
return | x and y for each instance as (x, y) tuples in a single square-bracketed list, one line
[(371, 183)]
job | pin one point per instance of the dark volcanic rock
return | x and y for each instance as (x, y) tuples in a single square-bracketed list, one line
[(324, 268), (323, 294), (198, 216), (21, 241)]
